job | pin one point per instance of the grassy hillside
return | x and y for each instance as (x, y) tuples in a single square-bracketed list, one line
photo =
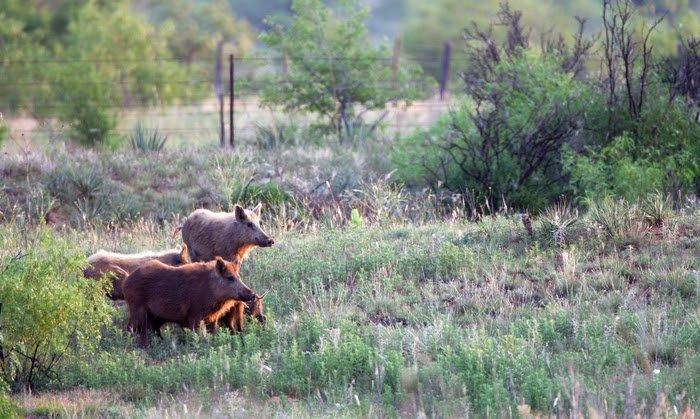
[(384, 312)]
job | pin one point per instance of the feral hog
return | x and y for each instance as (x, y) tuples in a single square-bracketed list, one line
[(232, 315), (119, 266), (157, 294), (229, 235)]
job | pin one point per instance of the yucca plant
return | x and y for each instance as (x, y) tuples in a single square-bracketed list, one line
[(559, 222), (656, 209), (276, 134), (145, 140), (619, 219)]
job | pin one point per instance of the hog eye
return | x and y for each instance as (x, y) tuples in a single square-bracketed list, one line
[(250, 224)]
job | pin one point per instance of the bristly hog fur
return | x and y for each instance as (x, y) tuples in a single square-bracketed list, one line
[(157, 293), (118, 266), (231, 235)]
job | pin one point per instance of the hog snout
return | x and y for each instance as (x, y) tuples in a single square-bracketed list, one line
[(247, 295), (269, 242)]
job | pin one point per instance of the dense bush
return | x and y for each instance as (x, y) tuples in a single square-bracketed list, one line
[(50, 313), (533, 127), (506, 149)]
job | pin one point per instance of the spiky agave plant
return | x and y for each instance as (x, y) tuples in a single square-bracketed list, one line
[(145, 140), (558, 222), (656, 209)]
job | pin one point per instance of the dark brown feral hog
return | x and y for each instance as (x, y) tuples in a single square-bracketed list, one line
[(229, 235), (157, 293), (232, 315), (118, 266)]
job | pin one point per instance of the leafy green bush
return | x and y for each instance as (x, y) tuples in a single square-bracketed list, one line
[(8, 409), (85, 108), (516, 159), (658, 151), (502, 145), (50, 312), (488, 369)]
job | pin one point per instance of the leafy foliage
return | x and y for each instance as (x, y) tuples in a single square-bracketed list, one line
[(332, 67), (50, 313), (503, 144), (192, 29)]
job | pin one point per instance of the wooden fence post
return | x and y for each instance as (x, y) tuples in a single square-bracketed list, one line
[(219, 91), (445, 68), (231, 95)]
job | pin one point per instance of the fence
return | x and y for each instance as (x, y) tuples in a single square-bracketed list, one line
[(232, 107)]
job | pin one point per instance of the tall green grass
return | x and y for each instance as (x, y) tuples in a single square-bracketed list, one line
[(440, 318)]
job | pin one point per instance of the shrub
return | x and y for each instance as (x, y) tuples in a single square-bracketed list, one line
[(8, 409), (620, 220), (85, 108), (658, 150), (50, 312), (558, 223), (488, 369), (613, 172), (277, 134), (656, 209), (503, 145), (143, 140)]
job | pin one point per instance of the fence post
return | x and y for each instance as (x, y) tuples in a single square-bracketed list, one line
[(445, 68), (231, 102), (395, 62), (219, 91)]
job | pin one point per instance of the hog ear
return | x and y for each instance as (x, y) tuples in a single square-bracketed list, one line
[(240, 213), (184, 255), (220, 266), (257, 209)]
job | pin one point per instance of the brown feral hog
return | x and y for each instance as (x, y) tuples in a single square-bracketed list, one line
[(118, 266), (232, 315), (229, 235), (157, 293)]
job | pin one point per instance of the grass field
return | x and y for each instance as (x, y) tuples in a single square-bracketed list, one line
[(397, 308)]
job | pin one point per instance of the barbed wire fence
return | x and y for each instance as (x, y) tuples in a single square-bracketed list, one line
[(232, 107)]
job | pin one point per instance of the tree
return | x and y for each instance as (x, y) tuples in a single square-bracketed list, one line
[(333, 68), (193, 28), (116, 63)]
